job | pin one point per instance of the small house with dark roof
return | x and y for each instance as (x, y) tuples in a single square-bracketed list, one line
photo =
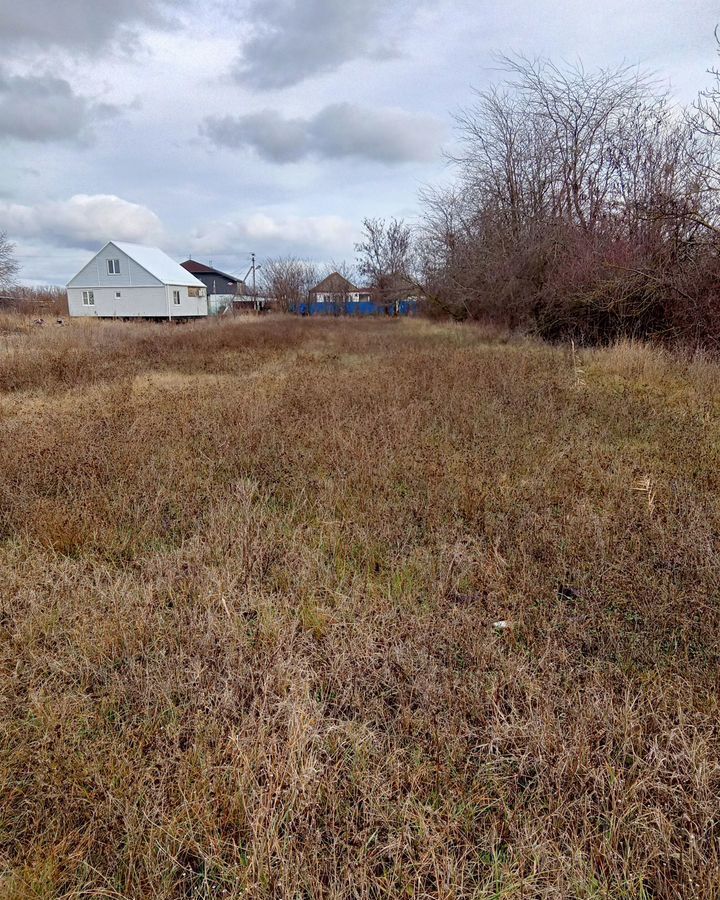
[(337, 289), (223, 290), (337, 296)]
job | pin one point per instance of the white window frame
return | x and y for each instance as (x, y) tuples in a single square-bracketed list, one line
[(113, 266), (88, 298), (176, 298)]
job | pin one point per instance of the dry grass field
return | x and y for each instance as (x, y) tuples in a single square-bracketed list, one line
[(249, 579)]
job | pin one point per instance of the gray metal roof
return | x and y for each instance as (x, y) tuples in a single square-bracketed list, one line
[(158, 263)]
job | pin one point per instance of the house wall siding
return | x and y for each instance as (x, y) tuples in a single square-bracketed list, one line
[(322, 297), (189, 306), (95, 273), (136, 302), (216, 284)]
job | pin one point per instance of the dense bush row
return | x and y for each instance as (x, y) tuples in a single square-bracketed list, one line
[(586, 206)]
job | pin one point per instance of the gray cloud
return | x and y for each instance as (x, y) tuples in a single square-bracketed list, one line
[(45, 108), (273, 136), (341, 130), (82, 24), (295, 39)]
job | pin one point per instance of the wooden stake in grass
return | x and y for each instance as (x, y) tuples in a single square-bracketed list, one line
[(579, 372), (645, 486)]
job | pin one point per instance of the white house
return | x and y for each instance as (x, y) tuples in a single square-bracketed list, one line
[(133, 281)]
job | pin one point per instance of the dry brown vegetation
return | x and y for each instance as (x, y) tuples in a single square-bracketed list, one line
[(35, 302), (249, 575), (586, 205)]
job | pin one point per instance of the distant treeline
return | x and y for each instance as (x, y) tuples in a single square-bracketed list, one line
[(49, 300)]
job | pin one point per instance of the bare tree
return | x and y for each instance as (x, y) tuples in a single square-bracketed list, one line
[(561, 144), (384, 258), (287, 280), (705, 120), (707, 106), (9, 266), (583, 204), (342, 286)]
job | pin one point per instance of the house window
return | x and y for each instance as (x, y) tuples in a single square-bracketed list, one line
[(193, 292), (113, 266), (176, 298), (88, 298), (118, 295)]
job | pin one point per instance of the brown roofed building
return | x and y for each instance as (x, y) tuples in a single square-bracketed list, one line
[(337, 289)]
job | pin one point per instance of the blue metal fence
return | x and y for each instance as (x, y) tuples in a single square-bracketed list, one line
[(361, 308)]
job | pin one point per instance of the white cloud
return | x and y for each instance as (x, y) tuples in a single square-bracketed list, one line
[(340, 130), (83, 221), (308, 236), (45, 108)]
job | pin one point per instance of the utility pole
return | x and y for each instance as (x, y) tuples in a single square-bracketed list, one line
[(254, 289), (253, 268)]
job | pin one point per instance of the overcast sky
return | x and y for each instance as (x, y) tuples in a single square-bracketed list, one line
[(217, 127)]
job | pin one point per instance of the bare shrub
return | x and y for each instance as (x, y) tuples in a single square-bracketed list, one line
[(39, 301), (9, 266), (287, 280), (586, 207), (385, 254)]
